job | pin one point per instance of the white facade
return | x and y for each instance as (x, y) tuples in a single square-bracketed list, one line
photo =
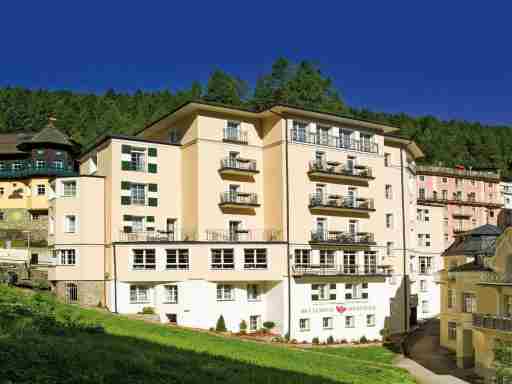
[(506, 194)]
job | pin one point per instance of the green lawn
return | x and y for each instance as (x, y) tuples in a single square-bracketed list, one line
[(32, 350)]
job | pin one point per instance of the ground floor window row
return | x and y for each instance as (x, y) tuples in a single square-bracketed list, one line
[(142, 294), (349, 291), (349, 321), (179, 259)]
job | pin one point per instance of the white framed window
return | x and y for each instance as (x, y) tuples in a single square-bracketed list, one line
[(138, 193), (144, 259), (423, 285), (388, 192), (254, 322), (253, 292), (139, 294), (370, 320), (225, 292), (171, 294), (70, 223), (299, 131), (387, 160), (350, 322), (255, 258), (35, 216), (425, 308), (223, 258), (370, 262), (349, 262), (507, 307), (40, 164), (304, 324), (468, 302), (137, 223), (138, 160), (426, 215), (389, 220), (67, 256), (2, 216), (327, 258), (69, 188), (321, 292), (302, 257), (452, 330), (2, 191), (58, 164), (356, 291), (177, 259), (17, 165), (425, 264), (327, 323), (41, 189), (422, 178), (452, 298), (389, 248)]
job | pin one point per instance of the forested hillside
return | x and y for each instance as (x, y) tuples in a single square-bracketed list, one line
[(85, 116)]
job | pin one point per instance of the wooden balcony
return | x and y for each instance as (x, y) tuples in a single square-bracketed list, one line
[(334, 204), (340, 238), (238, 167), (495, 322), (335, 172)]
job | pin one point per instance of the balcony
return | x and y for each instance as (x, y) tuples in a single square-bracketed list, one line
[(237, 167), (470, 201), (461, 230), (299, 136), (334, 171), (157, 236), (461, 173), (238, 200), (28, 168), (341, 238), (339, 270), (339, 204), (496, 278), (495, 322), (235, 136), (461, 215), (244, 235)]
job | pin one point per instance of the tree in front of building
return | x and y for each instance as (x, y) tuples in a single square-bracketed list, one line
[(503, 361), (221, 324)]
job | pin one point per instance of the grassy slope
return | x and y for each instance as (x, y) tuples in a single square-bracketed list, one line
[(133, 351)]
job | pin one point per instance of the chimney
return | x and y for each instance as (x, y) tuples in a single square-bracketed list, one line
[(51, 120)]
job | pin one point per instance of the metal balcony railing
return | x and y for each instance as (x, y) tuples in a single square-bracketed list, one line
[(454, 172), (334, 141), (496, 322), (157, 236), (28, 168), (337, 201), (242, 235), (239, 198), (339, 237), (238, 164), (434, 198), (332, 168), (501, 278), (339, 270), (233, 135)]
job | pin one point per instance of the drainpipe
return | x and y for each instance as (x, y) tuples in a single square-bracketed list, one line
[(115, 277), (404, 247)]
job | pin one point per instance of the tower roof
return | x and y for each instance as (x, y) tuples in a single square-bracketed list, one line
[(49, 135)]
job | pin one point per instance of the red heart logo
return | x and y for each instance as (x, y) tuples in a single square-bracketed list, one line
[(340, 308)]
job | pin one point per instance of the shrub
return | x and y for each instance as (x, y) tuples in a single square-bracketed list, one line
[(41, 285), (277, 339), (243, 327), (343, 341), (269, 325), (363, 340), (330, 340), (148, 311), (221, 324), (294, 341)]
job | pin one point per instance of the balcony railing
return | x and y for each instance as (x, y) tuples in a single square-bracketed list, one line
[(338, 237), (327, 168), (235, 136), (28, 168), (243, 165), (334, 141), (499, 278), (319, 200), (239, 198), (339, 270), (157, 236), (454, 172), (243, 235), (496, 322), (472, 201)]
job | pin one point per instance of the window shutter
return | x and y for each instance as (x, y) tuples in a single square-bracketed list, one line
[(332, 286), (127, 229), (126, 200), (332, 296), (153, 187), (153, 202), (125, 165), (152, 152), (314, 297), (152, 168), (150, 219), (125, 185), (126, 149)]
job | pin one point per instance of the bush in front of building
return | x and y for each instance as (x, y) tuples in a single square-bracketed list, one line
[(315, 341), (243, 327), (269, 325), (148, 311), (330, 340), (221, 324), (363, 340), (503, 361)]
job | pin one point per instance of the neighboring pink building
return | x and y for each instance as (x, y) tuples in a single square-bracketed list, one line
[(470, 198)]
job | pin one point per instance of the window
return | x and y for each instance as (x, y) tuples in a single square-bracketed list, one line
[(422, 178), (323, 292), (327, 257), (35, 216), (423, 285), (299, 131), (425, 306), (389, 248), (69, 188), (387, 160), (419, 214), (302, 257), (350, 322), (254, 322), (17, 165), (2, 216), (421, 193), (137, 223), (41, 189), (71, 293), (425, 264), (2, 191), (349, 262), (34, 258), (304, 324), (356, 291), (255, 258), (139, 294), (452, 297), (67, 256), (58, 164), (223, 259), (138, 194), (370, 262), (452, 330), (389, 220), (144, 259), (507, 307), (177, 259), (327, 323), (232, 131), (388, 192), (225, 292), (171, 294), (426, 215), (253, 292), (138, 160), (444, 194), (445, 180), (370, 320), (423, 240), (70, 224), (469, 303), (40, 164)]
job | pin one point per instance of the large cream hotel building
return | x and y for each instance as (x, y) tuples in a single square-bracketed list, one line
[(303, 218)]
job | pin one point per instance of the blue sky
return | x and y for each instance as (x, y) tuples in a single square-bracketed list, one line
[(451, 59)]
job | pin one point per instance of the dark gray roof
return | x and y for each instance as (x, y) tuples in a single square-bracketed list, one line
[(49, 135), (479, 241), (486, 230), (9, 143), (470, 267)]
